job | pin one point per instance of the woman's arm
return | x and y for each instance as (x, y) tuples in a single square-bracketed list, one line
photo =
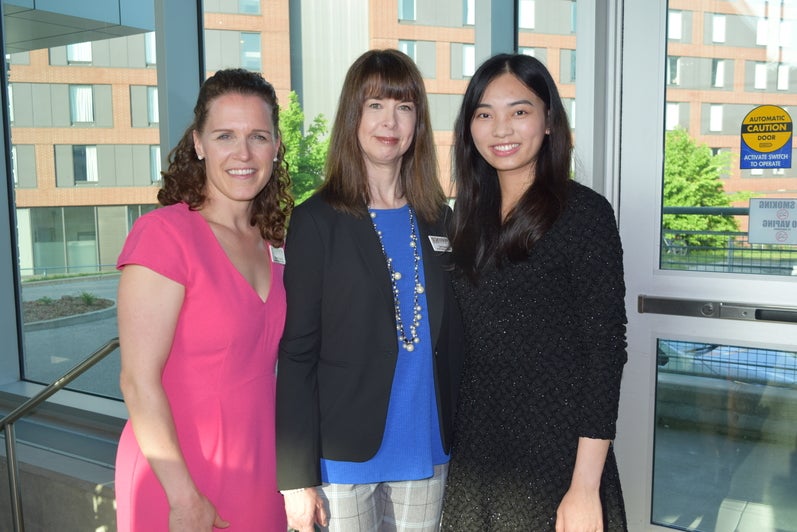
[(148, 307), (580, 509), (298, 430), (598, 267)]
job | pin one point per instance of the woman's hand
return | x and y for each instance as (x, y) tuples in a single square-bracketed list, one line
[(195, 515), (580, 511), (305, 508)]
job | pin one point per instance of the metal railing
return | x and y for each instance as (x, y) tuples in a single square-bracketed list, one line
[(722, 251), (7, 424)]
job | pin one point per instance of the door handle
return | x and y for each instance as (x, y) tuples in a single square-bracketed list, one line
[(700, 308)]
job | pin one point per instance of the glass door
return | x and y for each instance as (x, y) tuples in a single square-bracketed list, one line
[(707, 436)]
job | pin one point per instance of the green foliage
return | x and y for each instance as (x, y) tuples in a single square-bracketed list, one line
[(305, 152), (88, 298), (692, 179)]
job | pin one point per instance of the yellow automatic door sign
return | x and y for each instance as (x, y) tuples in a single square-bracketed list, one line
[(766, 128)]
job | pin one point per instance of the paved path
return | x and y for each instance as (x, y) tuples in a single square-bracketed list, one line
[(49, 353)]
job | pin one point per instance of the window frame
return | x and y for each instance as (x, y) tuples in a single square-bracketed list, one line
[(180, 24)]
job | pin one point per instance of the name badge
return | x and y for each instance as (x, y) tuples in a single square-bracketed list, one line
[(277, 254), (440, 243)]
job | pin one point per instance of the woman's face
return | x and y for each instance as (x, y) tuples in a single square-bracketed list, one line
[(386, 130), (239, 144), (509, 126)]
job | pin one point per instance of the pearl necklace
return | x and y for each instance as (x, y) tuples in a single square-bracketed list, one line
[(407, 341)]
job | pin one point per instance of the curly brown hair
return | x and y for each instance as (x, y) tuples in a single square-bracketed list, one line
[(184, 180)]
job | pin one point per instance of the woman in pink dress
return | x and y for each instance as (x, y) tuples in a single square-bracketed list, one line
[(201, 310)]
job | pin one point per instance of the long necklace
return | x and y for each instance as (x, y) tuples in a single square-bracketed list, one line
[(408, 341)]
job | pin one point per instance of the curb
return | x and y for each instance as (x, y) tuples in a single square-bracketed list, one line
[(70, 320)]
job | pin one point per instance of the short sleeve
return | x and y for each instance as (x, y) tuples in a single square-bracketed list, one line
[(155, 242)]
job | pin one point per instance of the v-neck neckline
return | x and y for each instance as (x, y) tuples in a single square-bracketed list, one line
[(220, 249)]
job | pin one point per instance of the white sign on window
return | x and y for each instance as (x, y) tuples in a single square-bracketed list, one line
[(773, 221)]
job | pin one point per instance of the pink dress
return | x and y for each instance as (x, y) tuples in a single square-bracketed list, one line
[(219, 378)]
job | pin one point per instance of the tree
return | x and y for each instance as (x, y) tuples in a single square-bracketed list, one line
[(305, 152), (692, 179)]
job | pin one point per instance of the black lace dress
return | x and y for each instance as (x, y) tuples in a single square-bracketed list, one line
[(545, 344)]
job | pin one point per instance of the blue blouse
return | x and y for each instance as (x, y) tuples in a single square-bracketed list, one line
[(411, 445)]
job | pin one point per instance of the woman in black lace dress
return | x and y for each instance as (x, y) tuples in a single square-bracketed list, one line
[(541, 289)]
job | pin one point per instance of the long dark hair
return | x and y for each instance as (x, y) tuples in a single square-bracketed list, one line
[(478, 232), (184, 180), (382, 74)]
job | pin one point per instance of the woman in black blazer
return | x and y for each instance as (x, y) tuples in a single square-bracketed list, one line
[(369, 362)]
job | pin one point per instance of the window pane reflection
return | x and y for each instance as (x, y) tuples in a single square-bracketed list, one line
[(726, 427)]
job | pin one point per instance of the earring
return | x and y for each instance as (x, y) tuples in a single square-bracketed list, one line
[(547, 131), (200, 157), (276, 158)]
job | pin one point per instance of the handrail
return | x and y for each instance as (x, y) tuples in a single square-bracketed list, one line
[(7, 423)]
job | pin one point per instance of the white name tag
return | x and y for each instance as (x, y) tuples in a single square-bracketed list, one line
[(440, 243), (277, 254)]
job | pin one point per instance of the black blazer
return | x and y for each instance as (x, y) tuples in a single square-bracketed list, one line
[(339, 350)]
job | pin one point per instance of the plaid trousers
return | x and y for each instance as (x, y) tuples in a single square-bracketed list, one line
[(408, 505)]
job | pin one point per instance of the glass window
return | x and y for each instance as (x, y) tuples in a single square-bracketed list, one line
[(150, 54), (249, 7), (675, 25), (406, 9), (568, 74), (59, 226), (719, 242), (760, 76), (783, 77), (81, 103), (470, 12), (570, 104), (715, 117), (526, 14), (724, 437), (152, 105), (672, 116), (718, 72), (79, 52), (762, 32), (90, 157), (468, 59), (250, 51), (10, 92), (718, 28), (14, 171), (408, 47), (673, 70), (84, 162), (155, 164)]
